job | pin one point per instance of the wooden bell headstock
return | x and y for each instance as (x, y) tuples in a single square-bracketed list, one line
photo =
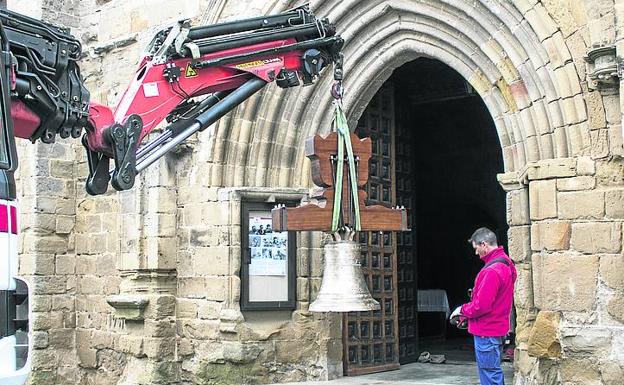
[(318, 216)]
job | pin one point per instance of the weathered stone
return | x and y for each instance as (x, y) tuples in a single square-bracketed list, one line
[(612, 372), (241, 352), (160, 328), (576, 183), (519, 240), (597, 237), (575, 286), (216, 288), (87, 356), (45, 359), (111, 362), (209, 310), (580, 370), (65, 264), (164, 306), (610, 173), (523, 297), (186, 308), (40, 340), (303, 289), (615, 307), (614, 204), (612, 270), (581, 205), (211, 260), (518, 207), (525, 363), (599, 143), (524, 322), (543, 199), (232, 315), (131, 344), (61, 338), (544, 337), (585, 340), (585, 166), (200, 329), (159, 348), (550, 235), (192, 287), (552, 168)]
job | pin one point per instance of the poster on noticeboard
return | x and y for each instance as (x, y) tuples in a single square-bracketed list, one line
[(269, 250)]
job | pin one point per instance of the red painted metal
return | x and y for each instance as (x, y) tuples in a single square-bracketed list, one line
[(151, 96), (13, 220), (4, 218), (25, 121)]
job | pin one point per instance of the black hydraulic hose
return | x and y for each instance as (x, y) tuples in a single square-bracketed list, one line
[(285, 19), (309, 31), (204, 120), (178, 126), (5, 41), (316, 43)]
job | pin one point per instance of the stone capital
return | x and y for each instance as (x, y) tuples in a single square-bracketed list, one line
[(603, 67)]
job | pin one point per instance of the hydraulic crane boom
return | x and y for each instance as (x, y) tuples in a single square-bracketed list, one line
[(229, 62)]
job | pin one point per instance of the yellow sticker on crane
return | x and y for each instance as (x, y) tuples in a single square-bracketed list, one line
[(256, 63), (190, 72)]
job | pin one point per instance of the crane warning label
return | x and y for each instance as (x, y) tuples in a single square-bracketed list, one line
[(190, 72)]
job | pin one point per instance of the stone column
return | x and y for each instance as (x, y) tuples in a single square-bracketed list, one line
[(145, 305), (519, 242)]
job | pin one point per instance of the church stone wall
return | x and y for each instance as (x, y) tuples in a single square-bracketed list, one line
[(547, 71)]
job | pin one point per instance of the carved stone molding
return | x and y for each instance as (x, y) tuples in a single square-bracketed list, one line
[(148, 281), (602, 68), (128, 307)]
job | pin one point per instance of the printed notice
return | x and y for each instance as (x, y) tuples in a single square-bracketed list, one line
[(269, 250)]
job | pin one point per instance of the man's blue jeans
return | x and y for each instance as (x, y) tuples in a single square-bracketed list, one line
[(489, 351)]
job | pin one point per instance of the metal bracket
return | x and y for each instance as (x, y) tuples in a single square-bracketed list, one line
[(161, 55)]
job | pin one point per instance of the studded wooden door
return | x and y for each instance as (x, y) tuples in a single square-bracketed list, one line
[(406, 241), (370, 339)]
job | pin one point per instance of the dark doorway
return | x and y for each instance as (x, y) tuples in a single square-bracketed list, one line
[(448, 155), (435, 151)]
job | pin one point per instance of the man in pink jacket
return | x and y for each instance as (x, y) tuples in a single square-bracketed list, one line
[(490, 306)]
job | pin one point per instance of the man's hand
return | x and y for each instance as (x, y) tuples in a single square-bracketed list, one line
[(457, 319)]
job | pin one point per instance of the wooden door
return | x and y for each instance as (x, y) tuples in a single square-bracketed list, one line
[(370, 339), (407, 287)]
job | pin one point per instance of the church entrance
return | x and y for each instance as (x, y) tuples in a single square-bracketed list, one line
[(436, 152)]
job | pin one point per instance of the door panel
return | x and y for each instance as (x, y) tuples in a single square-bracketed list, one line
[(370, 339), (406, 241)]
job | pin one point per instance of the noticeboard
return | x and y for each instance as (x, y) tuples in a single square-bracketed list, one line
[(268, 265)]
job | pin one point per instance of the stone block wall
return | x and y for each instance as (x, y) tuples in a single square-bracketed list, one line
[(568, 250)]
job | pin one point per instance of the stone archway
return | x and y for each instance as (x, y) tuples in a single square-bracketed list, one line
[(526, 78)]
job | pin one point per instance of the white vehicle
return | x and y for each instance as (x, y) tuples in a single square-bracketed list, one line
[(15, 333)]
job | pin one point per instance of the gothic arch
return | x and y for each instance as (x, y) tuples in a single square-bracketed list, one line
[(533, 93)]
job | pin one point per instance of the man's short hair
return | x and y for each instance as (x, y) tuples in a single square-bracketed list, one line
[(483, 234)]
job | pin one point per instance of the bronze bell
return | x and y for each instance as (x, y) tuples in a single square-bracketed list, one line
[(343, 288)]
